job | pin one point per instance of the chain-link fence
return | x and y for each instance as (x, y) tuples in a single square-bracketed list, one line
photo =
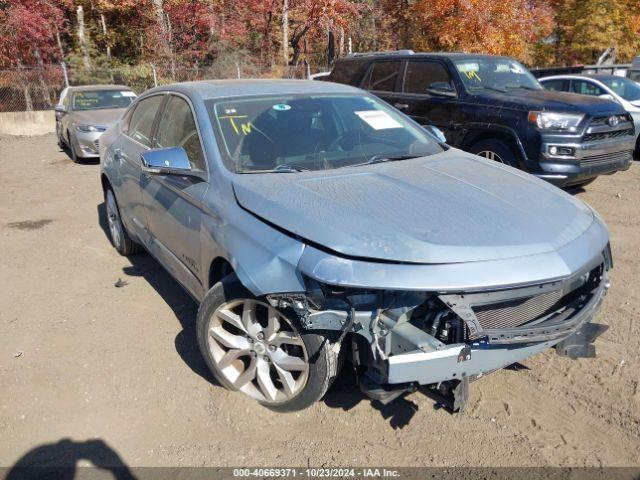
[(30, 88), (38, 87)]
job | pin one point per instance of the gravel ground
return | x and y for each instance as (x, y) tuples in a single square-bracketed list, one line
[(86, 366)]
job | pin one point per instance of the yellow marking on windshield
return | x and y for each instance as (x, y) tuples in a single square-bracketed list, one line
[(473, 75), (245, 127)]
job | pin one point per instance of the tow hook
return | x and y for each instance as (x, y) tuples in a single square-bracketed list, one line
[(580, 344)]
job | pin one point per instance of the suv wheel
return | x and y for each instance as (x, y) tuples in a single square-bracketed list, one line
[(262, 351), (120, 239), (496, 150)]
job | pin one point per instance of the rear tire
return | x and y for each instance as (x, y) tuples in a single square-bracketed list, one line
[(497, 150), (118, 235), (232, 323)]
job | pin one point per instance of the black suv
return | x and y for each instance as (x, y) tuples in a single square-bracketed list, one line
[(494, 107)]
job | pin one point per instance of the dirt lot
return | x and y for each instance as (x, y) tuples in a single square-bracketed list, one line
[(81, 359)]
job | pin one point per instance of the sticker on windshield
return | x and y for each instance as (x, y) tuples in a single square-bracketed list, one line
[(128, 94), (281, 107), (378, 119)]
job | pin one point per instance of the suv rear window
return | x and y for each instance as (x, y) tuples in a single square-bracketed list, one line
[(383, 76)]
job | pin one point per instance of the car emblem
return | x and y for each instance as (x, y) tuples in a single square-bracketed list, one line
[(613, 120)]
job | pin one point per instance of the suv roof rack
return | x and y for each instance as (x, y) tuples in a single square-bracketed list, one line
[(390, 52)]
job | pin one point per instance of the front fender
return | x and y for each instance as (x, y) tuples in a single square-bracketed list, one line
[(264, 259)]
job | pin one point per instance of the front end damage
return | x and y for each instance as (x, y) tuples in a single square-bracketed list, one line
[(444, 339)]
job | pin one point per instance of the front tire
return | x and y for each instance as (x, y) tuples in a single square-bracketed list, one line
[(496, 150), (262, 351), (118, 235), (72, 150)]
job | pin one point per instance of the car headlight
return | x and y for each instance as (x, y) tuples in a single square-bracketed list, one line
[(566, 122), (89, 128)]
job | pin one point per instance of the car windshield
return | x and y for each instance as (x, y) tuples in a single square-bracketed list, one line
[(307, 132), (627, 89), (102, 99), (495, 73)]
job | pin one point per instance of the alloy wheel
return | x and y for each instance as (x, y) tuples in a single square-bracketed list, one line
[(490, 155), (258, 351)]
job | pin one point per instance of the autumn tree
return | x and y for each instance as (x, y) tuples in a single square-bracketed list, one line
[(319, 17), (483, 26), (30, 31), (585, 28)]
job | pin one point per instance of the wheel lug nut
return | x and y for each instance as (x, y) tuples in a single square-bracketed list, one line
[(266, 359), (260, 335), (272, 348)]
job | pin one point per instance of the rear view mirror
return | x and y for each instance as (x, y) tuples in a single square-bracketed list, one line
[(443, 89), (168, 161), (607, 96)]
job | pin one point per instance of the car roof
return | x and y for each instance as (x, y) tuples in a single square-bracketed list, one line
[(593, 76), (404, 55), (215, 89), (85, 88)]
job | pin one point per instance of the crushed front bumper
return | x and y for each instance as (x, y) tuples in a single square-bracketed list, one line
[(454, 362)]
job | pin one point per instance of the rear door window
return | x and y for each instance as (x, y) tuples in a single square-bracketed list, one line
[(556, 85), (586, 88), (423, 74), (141, 123), (383, 76)]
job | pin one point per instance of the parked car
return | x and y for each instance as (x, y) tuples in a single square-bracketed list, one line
[(83, 113), (612, 87), (634, 72), (493, 107), (309, 219)]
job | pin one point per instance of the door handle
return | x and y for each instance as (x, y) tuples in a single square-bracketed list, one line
[(401, 106), (117, 155)]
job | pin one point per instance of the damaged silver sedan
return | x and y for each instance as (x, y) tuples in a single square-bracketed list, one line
[(313, 223)]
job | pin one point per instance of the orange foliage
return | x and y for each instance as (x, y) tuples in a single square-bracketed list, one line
[(487, 26)]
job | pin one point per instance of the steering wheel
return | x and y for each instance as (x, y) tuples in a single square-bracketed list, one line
[(355, 137), (351, 138)]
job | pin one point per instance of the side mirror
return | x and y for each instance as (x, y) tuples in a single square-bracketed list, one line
[(60, 111), (168, 161), (443, 89), (436, 132), (607, 96)]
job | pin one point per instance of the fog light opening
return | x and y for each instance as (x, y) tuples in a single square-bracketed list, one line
[(561, 151)]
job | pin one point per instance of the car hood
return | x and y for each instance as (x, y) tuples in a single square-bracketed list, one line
[(550, 100), (446, 208), (106, 117)]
